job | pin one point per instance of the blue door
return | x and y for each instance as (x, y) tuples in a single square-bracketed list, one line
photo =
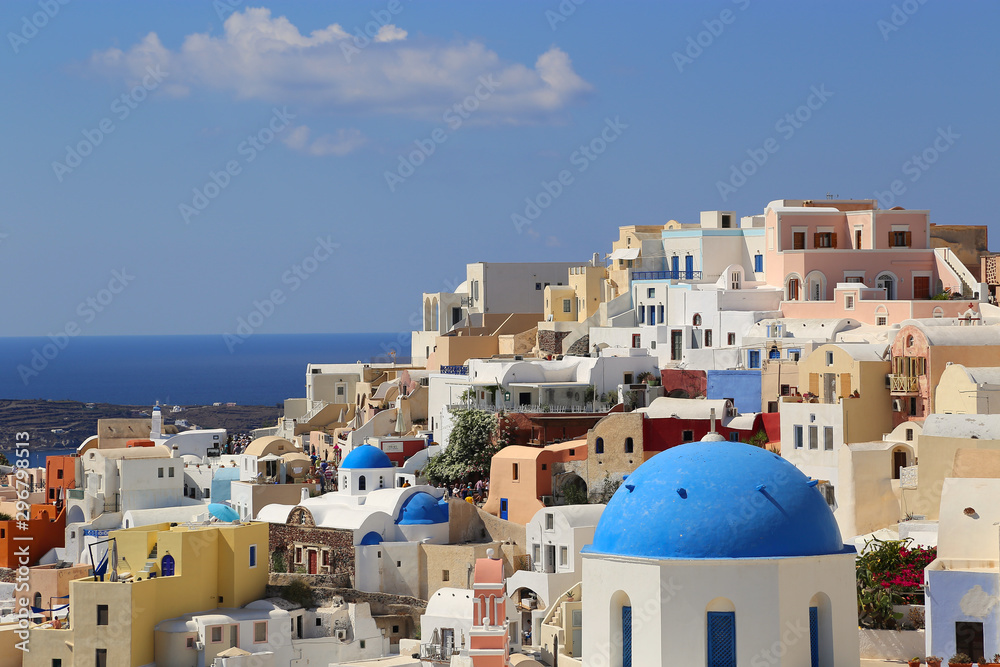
[(626, 636), (814, 636), (721, 639), (503, 508), (652, 315), (167, 566), (675, 266), (689, 267)]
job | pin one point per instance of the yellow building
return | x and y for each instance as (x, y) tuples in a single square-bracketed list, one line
[(964, 390), (166, 571)]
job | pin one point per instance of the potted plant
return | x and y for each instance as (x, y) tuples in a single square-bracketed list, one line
[(960, 660), (933, 661), (995, 662), (913, 662)]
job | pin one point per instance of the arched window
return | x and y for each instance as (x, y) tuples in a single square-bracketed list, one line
[(909, 341), (887, 281), (362, 483), (599, 445), (629, 445), (38, 601), (697, 320), (792, 291), (621, 626), (167, 566), (821, 631)]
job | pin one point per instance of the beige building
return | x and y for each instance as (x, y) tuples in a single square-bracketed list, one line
[(843, 370), (964, 390)]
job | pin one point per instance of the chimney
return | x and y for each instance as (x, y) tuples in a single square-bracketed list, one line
[(156, 427), (712, 417), (305, 494)]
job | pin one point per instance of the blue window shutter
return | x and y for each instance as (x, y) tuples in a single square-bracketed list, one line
[(626, 636), (721, 639), (814, 636)]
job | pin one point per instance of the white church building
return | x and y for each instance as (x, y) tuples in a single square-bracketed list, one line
[(721, 554)]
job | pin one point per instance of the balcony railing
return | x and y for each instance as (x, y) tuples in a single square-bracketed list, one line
[(74, 494), (455, 370), (437, 652), (666, 275), (903, 384)]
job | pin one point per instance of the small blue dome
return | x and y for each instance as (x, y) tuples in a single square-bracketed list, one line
[(366, 456), (371, 538), (717, 500), (423, 509)]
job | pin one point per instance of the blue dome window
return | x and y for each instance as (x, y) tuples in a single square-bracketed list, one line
[(423, 509), (371, 539), (366, 456), (717, 500)]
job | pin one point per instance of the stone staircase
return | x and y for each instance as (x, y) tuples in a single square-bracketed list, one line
[(151, 562)]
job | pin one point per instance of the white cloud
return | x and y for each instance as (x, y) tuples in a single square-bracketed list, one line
[(261, 57), (343, 142)]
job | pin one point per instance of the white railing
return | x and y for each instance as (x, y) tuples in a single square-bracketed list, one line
[(588, 408)]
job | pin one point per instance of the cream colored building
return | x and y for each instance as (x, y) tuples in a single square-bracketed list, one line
[(965, 390)]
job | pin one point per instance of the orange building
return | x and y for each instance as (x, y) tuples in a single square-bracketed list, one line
[(521, 476), (488, 638), (60, 477), (44, 530)]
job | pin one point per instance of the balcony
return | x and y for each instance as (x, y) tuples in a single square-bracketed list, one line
[(903, 384), (666, 275)]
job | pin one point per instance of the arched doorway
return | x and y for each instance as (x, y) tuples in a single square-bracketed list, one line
[(573, 489), (167, 566), (887, 281), (792, 288), (621, 626)]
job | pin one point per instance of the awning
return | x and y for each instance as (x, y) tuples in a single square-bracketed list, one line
[(624, 253)]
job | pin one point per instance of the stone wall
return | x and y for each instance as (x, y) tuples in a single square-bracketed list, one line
[(550, 342), (283, 537)]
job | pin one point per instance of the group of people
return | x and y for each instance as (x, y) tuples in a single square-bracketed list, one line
[(238, 442), (477, 491)]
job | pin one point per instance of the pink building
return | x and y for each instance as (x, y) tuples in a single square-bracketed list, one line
[(812, 247), (488, 639)]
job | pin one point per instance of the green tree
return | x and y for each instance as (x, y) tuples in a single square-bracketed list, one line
[(473, 441), (3, 460)]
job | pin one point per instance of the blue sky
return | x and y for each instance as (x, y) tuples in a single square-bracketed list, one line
[(311, 232)]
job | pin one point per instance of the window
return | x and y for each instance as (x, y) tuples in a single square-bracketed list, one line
[(362, 483), (798, 437), (253, 555), (319, 622), (881, 320), (659, 313), (567, 305), (730, 338), (650, 292), (795, 354), (828, 438), (159, 472), (216, 634), (190, 642), (548, 521), (829, 358), (170, 472), (753, 359), (758, 263), (445, 575), (259, 632), (909, 434), (708, 338), (899, 239), (298, 554), (59, 474), (727, 221), (599, 446), (825, 240), (722, 638), (545, 466), (538, 286), (102, 614), (857, 239), (849, 302), (798, 241), (687, 436), (734, 436), (813, 437), (697, 320), (564, 556), (642, 315), (362, 643), (101, 657), (515, 472), (395, 629), (629, 445)]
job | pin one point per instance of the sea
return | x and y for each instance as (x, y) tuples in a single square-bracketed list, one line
[(263, 369)]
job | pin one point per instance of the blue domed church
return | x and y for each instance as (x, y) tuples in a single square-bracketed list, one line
[(719, 554)]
